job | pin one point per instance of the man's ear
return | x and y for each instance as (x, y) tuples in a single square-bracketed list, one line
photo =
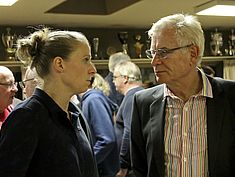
[(58, 64), (194, 50), (35, 81), (126, 79)]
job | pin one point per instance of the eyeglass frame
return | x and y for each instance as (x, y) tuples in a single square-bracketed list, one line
[(10, 85), (22, 83), (115, 77), (163, 52)]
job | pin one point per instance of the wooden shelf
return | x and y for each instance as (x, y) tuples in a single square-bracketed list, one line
[(103, 64), (11, 63), (141, 62), (146, 63), (15, 66), (217, 58)]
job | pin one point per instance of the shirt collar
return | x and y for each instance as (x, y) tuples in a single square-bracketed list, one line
[(52, 105), (206, 88)]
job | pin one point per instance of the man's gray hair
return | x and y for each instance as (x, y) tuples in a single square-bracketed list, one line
[(129, 69), (188, 30), (116, 58)]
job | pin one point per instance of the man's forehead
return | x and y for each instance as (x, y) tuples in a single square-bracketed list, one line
[(4, 77), (5, 72), (116, 71), (4, 69)]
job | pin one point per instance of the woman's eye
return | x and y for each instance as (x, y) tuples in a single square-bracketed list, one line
[(87, 60)]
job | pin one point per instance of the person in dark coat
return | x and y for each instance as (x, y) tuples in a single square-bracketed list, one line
[(46, 135), (128, 80), (185, 126)]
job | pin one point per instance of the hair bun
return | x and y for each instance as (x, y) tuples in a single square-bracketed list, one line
[(35, 46)]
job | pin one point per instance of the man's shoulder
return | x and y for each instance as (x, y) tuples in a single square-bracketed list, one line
[(221, 80), (150, 91), (221, 83), (150, 94)]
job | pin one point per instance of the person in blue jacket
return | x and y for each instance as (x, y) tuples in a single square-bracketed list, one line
[(99, 111)]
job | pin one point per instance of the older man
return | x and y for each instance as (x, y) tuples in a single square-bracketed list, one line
[(128, 80), (186, 125), (8, 89), (30, 82), (114, 59)]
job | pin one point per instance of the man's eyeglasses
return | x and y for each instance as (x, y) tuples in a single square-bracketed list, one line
[(10, 85), (115, 77), (163, 52), (22, 83)]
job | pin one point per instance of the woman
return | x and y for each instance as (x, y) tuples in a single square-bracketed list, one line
[(45, 136), (99, 110)]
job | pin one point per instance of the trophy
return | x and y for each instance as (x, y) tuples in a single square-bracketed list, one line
[(148, 43), (123, 36), (231, 42), (138, 45), (9, 42), (216, 43), (95, 47)]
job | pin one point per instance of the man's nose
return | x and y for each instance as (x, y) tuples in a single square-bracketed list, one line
[(14, 88), (156, 60)]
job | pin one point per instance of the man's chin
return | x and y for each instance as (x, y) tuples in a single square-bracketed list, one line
[(160, 80)]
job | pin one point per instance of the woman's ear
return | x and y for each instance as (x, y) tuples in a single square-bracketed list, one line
[(58, 64)]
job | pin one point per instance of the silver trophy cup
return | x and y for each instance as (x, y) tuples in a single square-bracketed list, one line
[(9, 42), (231, 41), (216, 43)]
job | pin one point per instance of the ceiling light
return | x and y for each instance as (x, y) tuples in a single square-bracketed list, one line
[(217, 8), (7, 2)]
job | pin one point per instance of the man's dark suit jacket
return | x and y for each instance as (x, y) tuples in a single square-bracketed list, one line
[(147, 131)]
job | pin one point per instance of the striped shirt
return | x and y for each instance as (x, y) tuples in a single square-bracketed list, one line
[(185, 134)]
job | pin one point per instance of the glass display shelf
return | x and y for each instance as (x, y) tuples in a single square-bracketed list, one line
[(11, 63)]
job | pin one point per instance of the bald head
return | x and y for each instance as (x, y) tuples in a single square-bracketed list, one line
[(5, 74)]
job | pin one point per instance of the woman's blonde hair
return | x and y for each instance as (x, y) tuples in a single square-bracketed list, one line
[(41, 47), (100, 84)]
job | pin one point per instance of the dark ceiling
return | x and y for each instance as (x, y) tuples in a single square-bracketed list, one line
[(93, 7)]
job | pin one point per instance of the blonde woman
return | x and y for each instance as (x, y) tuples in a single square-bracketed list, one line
[(46, 136), (98, 110)]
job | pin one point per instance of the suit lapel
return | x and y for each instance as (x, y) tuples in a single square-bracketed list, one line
[(215, 112), (157, 113)]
